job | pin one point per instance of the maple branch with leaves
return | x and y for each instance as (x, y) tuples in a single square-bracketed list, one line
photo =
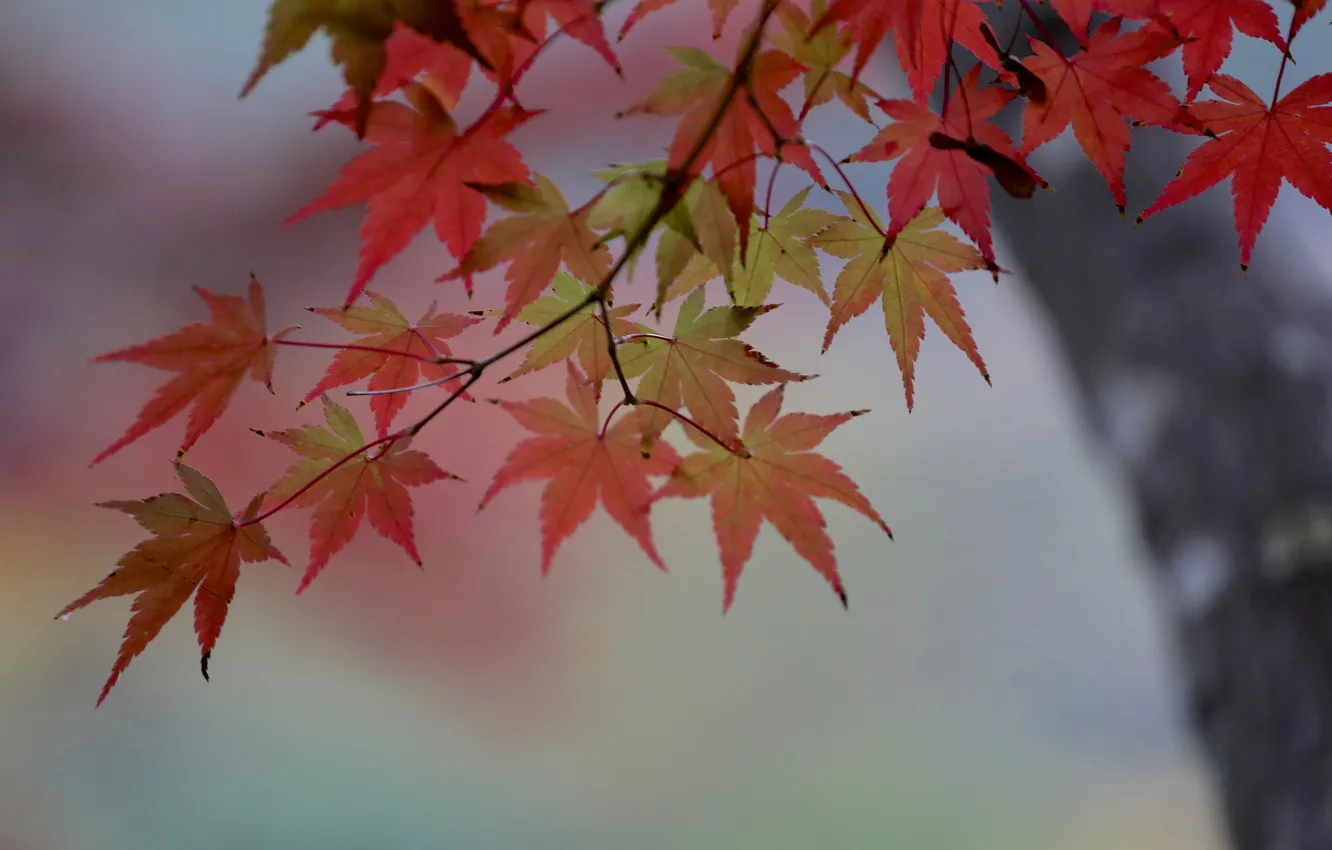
[(406, 67)]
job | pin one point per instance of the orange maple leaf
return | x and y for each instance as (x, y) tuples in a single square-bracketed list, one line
[(1258, 145), (534, 243), (583, 336), (212, 358), (957, 165), (383, 326), (584, 463), (746, 126), (196, 545), (1097, 90), (910, 273), (342, 489), (772, 476), (693, 368), (420, 171)]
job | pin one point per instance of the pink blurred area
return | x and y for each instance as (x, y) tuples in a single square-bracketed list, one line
[(476, 703)]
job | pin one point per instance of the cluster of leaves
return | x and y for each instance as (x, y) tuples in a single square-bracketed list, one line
[(406, 64)]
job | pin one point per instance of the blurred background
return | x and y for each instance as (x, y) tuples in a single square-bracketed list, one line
[(1003, 678)]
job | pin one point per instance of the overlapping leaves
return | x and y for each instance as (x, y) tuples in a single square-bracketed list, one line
[(407, 64)]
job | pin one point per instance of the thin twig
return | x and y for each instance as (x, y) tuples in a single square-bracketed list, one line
[(426, 385), (614, 355), (391, 352)]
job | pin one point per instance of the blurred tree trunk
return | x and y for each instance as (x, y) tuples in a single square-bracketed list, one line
[(1211, 391)]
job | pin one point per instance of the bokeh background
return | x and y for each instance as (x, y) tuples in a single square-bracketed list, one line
[(1000, 681)]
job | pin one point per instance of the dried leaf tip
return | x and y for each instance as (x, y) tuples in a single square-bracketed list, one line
[(203, 664)]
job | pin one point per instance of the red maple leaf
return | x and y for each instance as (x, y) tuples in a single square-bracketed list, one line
[(1077, 13), (1096, 90), (746, 126), (196, 545), (1304, 11), (212, 358), (410, 55), (584, 463), (772, 476), (1257, 145), (1208, 27), (581, 19), (343, 489), (419, 172), (383, 326), (928, 163), (721, 10), (923, 31)]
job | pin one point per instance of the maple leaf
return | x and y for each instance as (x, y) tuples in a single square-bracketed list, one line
[(693, 367), (408, 55), (721, 10), (929, 163), (747, 123), (581, 19), (713, 236), (421, 170), (372, 484), (196, 546), (358, 31), (1078, 13), (1258, 145), (772, 476), (584, 335), (921, 31), (910, 272), (1304, 11), (1208, 27), (630, 199), (534, 243), (1096, 90), (584, 463), (383, 326), (778, 248), (212, 358), (820, 54)]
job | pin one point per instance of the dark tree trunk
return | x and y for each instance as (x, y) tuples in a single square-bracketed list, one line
[(1211, 392)]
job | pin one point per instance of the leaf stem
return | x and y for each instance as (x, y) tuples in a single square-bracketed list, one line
[(645, 335), (767, 198), (837, 166), (1038, 22), (739, 451), (1281, 70), (601, 435)]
